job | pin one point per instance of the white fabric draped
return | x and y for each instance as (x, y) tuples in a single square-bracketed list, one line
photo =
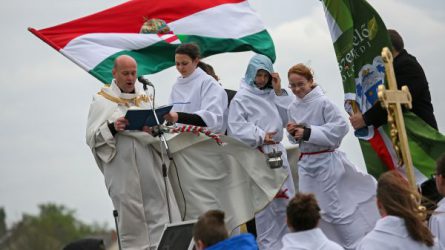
[(233, 178)]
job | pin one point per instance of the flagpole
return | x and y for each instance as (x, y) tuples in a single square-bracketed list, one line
[(43, 38), (50, 43)]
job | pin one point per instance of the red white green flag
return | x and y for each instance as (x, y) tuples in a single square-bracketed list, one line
[(150, 30), (359, 35)]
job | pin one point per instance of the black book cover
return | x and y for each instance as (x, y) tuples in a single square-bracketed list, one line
[(137, 118)]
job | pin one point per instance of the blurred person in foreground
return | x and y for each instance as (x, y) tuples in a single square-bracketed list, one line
[(210, 233), (402, 224), (303, 216)]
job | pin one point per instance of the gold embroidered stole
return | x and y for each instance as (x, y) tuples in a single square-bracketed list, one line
[(136, 100)]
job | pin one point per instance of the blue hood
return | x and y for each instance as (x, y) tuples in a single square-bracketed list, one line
[(256, 63)]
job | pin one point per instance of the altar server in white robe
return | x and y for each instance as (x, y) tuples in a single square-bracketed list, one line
[(303, 215), (437, 220), (197, 98), (402, 224), (257, 116), (131, 167), (346, 196)]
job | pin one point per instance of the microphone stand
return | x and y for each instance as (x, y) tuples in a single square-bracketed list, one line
[(163, 142), (115, 215)]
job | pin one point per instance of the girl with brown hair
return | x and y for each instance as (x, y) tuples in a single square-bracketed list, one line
[(197, 98), (401, 225)]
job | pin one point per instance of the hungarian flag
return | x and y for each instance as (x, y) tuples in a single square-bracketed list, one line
[(150, 31), (359, 35)]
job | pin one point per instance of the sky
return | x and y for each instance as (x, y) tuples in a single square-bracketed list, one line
[(45, 97)]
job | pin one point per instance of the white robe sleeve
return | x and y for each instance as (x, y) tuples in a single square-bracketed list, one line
[(289, 136), (105, 146), (331, 133), (99, 137), (213, 106), (240, 128), (282, 103)]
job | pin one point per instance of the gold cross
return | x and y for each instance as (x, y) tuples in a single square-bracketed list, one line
[(392, 100)]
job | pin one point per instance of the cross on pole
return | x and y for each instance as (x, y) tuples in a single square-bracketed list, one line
[(392, 100)]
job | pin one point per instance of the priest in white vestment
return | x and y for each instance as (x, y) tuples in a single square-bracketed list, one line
[(131, 167), (257, 116)]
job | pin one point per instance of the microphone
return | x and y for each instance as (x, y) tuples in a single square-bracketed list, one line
[(145, 81)]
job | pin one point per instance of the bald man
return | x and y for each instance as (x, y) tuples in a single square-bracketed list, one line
[(130, 165)]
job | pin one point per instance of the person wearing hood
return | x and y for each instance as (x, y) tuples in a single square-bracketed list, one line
[(345, 195), (197, 98), (257, 116)]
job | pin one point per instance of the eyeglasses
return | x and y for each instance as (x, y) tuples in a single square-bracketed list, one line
[(434, 176), (298, 85)]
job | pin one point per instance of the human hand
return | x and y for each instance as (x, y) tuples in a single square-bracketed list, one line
[(147, 129), (357, 121), (171, 117), (291, 126), (268, 138), (120, 124), (298, 134), (276, 83)]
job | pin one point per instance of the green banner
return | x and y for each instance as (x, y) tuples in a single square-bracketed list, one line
[(359, 35)]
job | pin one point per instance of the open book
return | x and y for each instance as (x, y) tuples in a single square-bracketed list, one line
[(137, 118)]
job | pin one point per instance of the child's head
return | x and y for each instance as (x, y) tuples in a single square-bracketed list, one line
[(210, 229), (301, 80), (302, 212), (440, 175), (187, 57)]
